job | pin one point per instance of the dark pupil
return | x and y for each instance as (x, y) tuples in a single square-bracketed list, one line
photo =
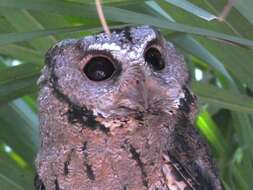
[(153, 57), (98, 69)]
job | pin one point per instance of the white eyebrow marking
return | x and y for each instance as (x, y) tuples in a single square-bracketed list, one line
[(104, 46)]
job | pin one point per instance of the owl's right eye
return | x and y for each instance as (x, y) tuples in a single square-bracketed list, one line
[(99, 69), (154, 58)]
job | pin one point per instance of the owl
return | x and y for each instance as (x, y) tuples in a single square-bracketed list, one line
[(116, 113)]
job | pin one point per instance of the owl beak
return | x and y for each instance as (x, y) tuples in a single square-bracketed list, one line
[(134, 97), (144, 94)]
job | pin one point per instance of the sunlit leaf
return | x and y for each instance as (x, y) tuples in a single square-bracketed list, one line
[(12, 176), (190, 7)]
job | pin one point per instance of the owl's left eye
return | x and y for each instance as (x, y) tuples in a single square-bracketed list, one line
[(99, 69)]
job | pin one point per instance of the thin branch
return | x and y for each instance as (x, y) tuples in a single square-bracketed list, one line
[(102, 17), (226, 10)]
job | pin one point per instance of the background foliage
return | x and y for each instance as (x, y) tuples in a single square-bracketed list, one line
[(219, 55)]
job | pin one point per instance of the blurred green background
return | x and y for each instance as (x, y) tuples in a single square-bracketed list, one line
[(219, 55)]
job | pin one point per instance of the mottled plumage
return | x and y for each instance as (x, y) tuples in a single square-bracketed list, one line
[(116, 113)]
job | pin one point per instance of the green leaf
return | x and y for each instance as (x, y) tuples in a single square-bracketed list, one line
[(24, 36), (155, 6), (116, 14), (22, 20), (223, 98), (211, 131), (245, 8), (188, 6), (17, 81), (21, 53), (12, 176), (193, 47), (238, 61), (19, 129)]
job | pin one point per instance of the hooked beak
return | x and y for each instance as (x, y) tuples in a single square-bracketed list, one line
[(134, 95)]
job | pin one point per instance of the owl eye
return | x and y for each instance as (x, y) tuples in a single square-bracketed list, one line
[(154, 58), (99, 69)]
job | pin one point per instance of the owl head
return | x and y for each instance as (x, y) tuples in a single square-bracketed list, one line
[(132, 71)]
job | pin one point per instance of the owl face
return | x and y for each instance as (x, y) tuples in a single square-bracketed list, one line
[(132, 71)]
